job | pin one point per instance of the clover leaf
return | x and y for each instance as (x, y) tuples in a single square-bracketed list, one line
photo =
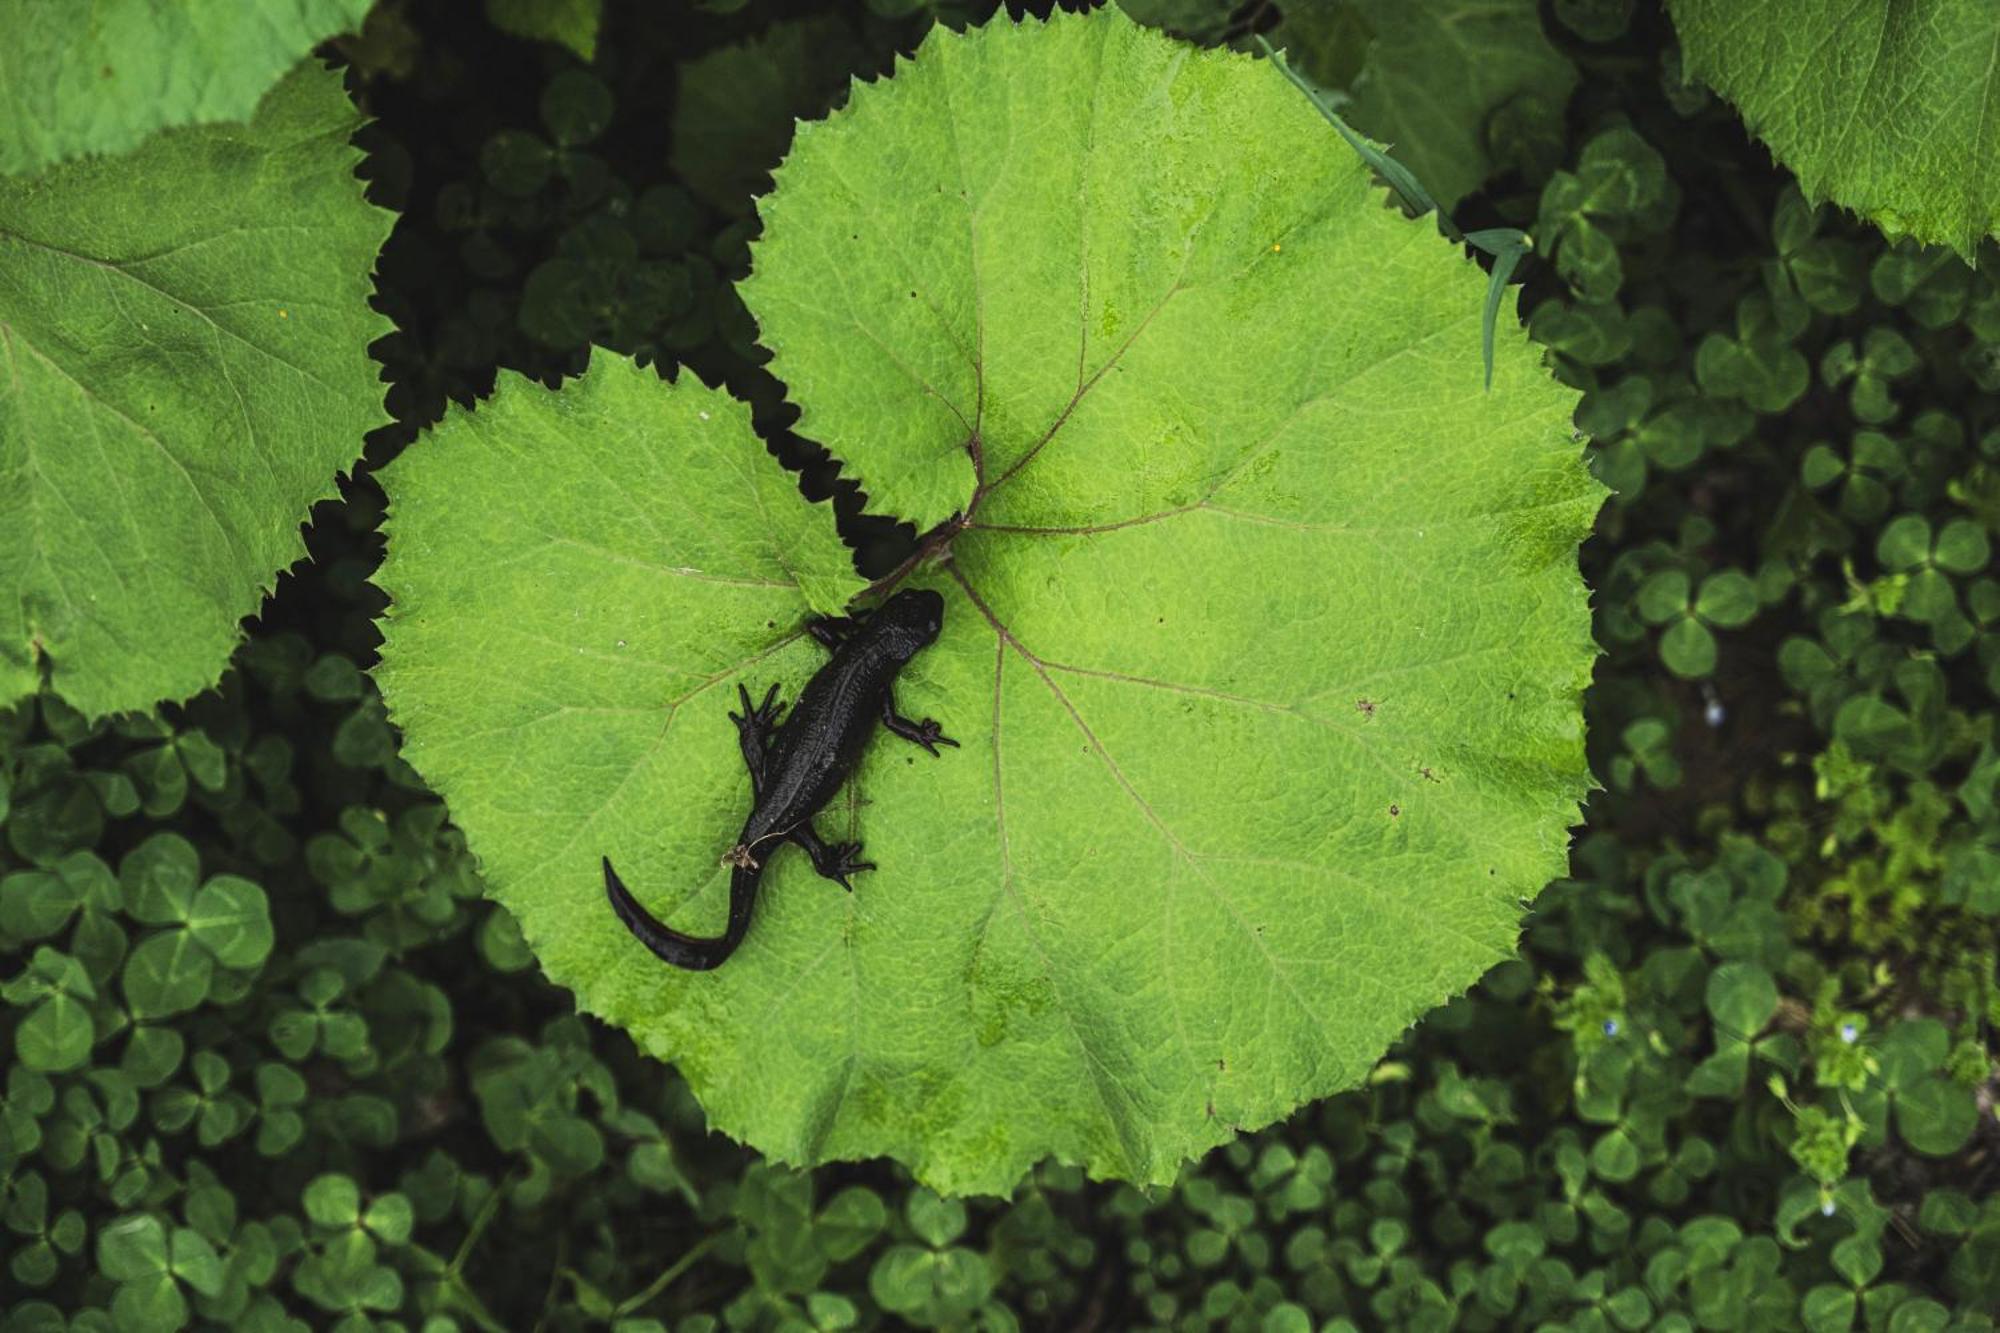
[(224, 922), (1927, 557), (1620, 185), (150, 1263), (1759, 365), (58, 1031), (1726, 600), (1873, 461), (1263, 641), (1883, 357)]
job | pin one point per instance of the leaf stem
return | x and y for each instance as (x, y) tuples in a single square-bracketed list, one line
[(666, 1279), (1399, 177), (480, 1220)]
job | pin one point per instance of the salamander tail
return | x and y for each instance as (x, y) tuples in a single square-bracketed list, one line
[(696, 953)]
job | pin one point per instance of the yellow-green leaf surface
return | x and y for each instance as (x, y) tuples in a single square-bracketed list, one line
[(1264, 644), (183, 371), (99, 77), (1887, 107)]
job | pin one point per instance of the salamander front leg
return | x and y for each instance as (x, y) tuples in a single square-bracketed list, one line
[(831, 631), (928, 733)]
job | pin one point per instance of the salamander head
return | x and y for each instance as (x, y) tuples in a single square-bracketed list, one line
[(910, 621)]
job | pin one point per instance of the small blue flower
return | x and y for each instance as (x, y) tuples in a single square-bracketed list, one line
[(1610, 1027), (1849, 1033)]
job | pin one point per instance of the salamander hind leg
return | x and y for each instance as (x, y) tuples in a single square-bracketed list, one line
[(834, 861), (761, 720)]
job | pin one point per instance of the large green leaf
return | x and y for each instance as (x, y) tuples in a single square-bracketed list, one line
[(1888, 107), (99, 77), (1264, 645), (183, 369)]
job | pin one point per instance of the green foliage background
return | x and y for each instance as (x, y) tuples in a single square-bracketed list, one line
[(272, 1062)]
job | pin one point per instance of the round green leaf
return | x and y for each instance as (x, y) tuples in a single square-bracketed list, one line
[(34, 1265), (931, 1287), (1741, 998), (1266, 734), (160, 877), (1727, 600), (1912, 1049), (151, 1055), (35, 904), (1929, 596), (333, 1200), (1287, 1318), (937, 1222), (1857, 1258), (56, 1034), (1920, 1314), (1884, 106), (231, 920), (1828, 1309), (183, 369), (1905, 542), (167, 974), (150, 1305), (1947, 1212), (1759, 365), (1630, 1307), (1663, 596), (99, 78), (1822, 466), (132, 1247), (1962, 547), (1688, 649), (1614, 1156), (1870, 725), (1936, 1115), (194, 1261), (1671, 438), (390, 1217), (849, 1222)]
